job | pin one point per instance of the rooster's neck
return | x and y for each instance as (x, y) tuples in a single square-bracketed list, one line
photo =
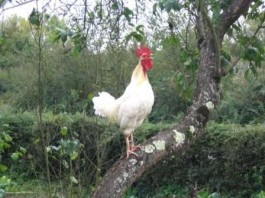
[(139, 75)]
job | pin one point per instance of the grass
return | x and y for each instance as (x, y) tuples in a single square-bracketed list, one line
[(38, 188)]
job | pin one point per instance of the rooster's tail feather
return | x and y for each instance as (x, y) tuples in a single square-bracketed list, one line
[(104, 105)]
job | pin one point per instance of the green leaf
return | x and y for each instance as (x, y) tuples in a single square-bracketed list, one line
[(65, 164), (90, 96), (7, 137), (128, 13), (155, 8), (224, 62), (15, 156), (170, 5), (139, 29), (100, 13), (48, 149), (61, 34), (261, 194), (171, 40), (56, 36), (64, 131), (76, 51), (188, 61), (5, 145), (203, 194), (115, 6), (23, 150), (180, 77), (91, 15), (243, 40), (74, 155), (73, 179), (225, 59), (251, 53), (3, 168), (34, 18), (64, 37), (237, 27), (136, 35), (214, 195), (5, 181)]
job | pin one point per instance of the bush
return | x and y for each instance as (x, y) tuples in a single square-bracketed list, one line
[(227, 158), (80, 148), (243, 101)]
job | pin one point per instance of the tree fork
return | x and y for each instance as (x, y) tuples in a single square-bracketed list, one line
[(168, 142)]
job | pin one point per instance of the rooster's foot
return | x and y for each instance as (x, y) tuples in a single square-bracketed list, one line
[(134, 148), (130, 152)]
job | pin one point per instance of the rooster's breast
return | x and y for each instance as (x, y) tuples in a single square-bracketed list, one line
[(135, 105)]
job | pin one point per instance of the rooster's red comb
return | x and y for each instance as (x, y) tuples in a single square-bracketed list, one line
[(143, 50)]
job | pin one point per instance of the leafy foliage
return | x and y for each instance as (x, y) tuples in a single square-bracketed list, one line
[(226, 161), (243, 101), (80, 148)]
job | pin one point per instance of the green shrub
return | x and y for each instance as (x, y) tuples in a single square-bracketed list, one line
[(226, 158), (169, 189), (243, 101), (80, 148)]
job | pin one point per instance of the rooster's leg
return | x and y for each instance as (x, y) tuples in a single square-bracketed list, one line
[(129, 151), (132, 146)]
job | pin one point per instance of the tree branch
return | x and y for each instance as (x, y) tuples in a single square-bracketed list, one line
[(124, 172), (205, 22), (235, 10), (19, 4)]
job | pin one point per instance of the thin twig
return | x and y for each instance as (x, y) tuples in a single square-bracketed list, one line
[(14, 6)]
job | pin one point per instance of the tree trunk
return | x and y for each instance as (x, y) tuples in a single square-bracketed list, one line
[(124, 172)]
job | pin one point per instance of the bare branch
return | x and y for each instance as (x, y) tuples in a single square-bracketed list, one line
[(19, 4), (124, 172)]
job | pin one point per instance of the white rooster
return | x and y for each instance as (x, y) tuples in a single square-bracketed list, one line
[(130, 110)]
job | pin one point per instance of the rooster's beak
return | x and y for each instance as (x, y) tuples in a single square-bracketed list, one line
[(149, 57)]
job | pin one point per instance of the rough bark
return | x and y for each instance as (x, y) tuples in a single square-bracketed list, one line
[(236, 9), (124, 172)]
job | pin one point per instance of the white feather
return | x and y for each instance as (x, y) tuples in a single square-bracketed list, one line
[(134, 106), (129, 110), (104, 104)]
